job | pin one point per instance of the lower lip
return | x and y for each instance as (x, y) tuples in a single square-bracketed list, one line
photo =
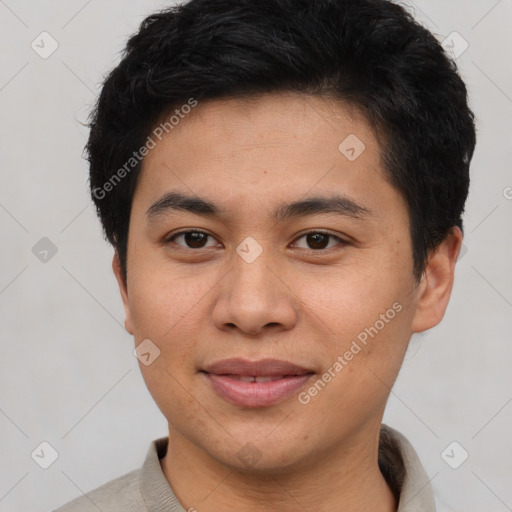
[(256, 394)]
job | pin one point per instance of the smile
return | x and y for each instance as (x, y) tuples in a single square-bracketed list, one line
[(256, 383)]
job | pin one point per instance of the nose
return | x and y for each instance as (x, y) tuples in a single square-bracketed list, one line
[(255, 297)]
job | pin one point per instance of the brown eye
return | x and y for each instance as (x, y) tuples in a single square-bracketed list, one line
[(318, 240), (191, 239)]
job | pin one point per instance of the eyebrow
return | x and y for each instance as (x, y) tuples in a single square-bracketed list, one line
[(337, 204)]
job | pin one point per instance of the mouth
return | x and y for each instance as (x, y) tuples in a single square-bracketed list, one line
[(256, 383)]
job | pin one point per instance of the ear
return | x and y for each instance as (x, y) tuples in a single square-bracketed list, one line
[(436, 283), (116, 267)]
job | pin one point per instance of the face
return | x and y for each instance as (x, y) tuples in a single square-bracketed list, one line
[(291, 261)]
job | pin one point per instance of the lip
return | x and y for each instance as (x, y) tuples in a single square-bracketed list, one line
[(280, 380)]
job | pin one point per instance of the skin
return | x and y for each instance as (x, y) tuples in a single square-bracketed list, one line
[(297, 301)]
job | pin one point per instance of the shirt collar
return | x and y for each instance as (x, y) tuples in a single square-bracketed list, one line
[(404, 467), (155, 489)]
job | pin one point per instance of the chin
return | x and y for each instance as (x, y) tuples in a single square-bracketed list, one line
[(258, 454), (252, 461)]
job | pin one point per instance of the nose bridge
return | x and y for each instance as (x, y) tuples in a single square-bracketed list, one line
[(252, 282), (252, 296)]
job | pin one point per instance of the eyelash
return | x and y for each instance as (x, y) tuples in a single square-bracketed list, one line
[(341, 241)]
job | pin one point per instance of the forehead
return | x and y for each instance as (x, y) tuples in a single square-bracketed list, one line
[(266, 149), (274, 118)]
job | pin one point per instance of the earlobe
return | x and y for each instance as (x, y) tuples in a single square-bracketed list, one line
[(437, 282), (123, 289)]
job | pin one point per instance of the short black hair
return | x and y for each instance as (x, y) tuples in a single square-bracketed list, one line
[(371, 54)]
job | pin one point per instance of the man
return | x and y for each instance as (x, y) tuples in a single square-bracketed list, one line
[(283, 183)]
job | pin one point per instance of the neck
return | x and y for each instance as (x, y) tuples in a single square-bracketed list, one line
[(347, 477)]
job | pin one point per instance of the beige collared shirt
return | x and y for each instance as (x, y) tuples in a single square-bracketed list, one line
[(147, 490)]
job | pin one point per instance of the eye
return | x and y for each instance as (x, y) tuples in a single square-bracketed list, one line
[(315, 240), (319, 240), (192, 239)]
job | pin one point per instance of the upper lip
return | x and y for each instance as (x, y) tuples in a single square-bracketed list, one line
[(261, 368)]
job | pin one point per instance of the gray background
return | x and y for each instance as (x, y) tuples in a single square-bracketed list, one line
[(67, 372)]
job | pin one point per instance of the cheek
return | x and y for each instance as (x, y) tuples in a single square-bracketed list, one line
[(162, 302), (369, 323), (373, 340), (358, 305), (167, 317), (165, 311), (360, 371)]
